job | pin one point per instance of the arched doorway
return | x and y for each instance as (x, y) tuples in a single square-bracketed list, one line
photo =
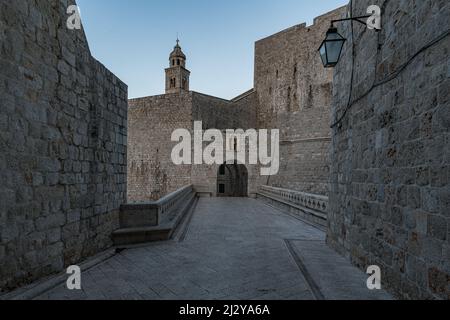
[(232, 181)]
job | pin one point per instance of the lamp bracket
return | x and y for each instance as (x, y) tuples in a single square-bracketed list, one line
[(351, 19)]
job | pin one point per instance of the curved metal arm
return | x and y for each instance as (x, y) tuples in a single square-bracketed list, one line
[(349, 19)]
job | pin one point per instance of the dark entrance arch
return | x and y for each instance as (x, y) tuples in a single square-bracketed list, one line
[(232, 181)]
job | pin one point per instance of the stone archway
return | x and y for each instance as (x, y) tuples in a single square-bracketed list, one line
[(232, 180)]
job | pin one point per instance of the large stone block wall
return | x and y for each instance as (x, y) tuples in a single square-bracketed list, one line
[(62, 144), (152, 120), (294, 95), (390, 166), (215, 113), (304, 165)]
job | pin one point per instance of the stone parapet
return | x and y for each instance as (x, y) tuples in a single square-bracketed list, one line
[(311, 207), (153, 221)]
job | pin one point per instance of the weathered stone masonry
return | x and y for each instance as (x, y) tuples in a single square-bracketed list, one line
[(151, 172), (292, 93), (63, 140), (390, 166), (63, 119)]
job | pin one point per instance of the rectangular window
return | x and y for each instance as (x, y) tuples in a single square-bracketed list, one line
[(222, 170), (221, 188)]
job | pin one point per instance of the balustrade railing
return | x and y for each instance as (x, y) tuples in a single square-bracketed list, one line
[(311, 206)]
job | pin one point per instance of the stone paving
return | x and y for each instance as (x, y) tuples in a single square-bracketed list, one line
[(235, 248)]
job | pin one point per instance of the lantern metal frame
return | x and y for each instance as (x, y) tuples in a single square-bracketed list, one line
[(335, 30), (342, 39)]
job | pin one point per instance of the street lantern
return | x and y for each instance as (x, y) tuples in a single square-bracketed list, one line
[(331, 48)]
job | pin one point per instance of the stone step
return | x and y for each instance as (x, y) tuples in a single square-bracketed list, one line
[(139, 235)]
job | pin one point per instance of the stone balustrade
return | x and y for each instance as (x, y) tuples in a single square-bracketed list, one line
[(308, 206)]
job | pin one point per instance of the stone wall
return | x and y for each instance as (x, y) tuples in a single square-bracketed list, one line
[(216, 113), (390, 166), (151, 172), (62, 144), (223, 114), (246, 107), (294, 95), (152, 120)]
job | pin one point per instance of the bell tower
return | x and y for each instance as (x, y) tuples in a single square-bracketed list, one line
[(177, 76)]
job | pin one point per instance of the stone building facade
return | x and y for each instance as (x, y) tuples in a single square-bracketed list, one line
[(292, 93), (390, 166), (63, 128)]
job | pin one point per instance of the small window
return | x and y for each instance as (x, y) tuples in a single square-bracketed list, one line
[(221, 188), (178, 62), (222, 170)]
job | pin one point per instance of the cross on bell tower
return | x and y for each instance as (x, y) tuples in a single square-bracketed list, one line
[(177, 76)]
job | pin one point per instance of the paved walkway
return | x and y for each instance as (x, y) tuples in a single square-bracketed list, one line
[(233, 249)]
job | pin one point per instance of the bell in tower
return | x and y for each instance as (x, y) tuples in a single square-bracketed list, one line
[(177, 76)]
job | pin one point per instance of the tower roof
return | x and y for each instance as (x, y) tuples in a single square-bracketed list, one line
[(177, 52)]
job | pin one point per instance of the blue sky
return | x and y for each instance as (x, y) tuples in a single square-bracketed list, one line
[(134, 38)]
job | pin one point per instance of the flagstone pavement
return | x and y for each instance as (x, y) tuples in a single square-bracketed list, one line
[(233, 249)]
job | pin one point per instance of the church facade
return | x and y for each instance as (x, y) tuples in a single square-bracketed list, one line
[(292, 93)]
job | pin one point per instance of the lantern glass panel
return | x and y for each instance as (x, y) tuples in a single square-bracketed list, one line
[(333, 49), (323, 54)]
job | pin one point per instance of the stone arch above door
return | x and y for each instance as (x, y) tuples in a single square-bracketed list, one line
[(232, 180)]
